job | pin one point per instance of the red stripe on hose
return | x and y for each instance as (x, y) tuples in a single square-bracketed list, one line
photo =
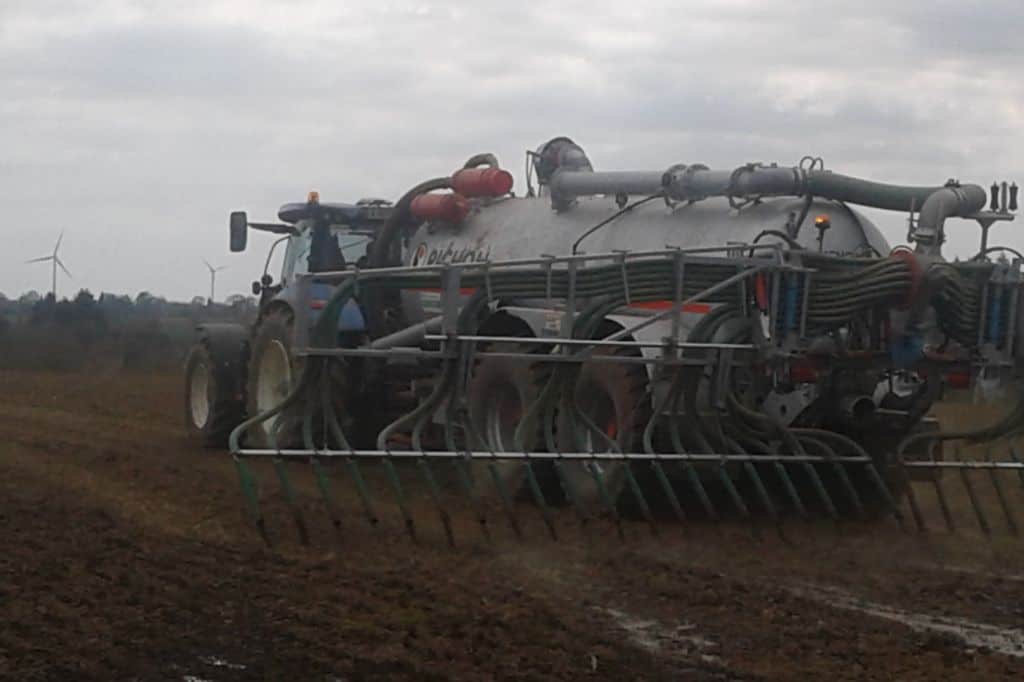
[(699, 308), (916, 274)]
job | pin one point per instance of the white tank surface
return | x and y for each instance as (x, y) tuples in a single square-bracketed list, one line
[(516, 228)]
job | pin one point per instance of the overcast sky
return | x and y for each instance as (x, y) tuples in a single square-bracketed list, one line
[(138, 126)]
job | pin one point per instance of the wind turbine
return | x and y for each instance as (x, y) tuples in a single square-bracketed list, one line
[(56, 262), (213, 277)]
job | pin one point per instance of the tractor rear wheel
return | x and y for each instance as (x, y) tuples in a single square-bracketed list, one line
[(212, 407), (273, 373)]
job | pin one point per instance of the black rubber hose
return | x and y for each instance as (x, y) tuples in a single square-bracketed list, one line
[(398, 219), (485, 159)]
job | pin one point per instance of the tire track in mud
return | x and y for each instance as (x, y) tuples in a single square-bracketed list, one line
[(757, 628), (1007, 641)]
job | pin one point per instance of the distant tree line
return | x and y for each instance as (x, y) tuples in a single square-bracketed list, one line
[(108, 332)]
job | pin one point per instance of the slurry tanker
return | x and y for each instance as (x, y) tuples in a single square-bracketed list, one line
[(676, 343)]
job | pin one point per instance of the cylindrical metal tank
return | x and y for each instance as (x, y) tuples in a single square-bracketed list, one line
[(515, 228)]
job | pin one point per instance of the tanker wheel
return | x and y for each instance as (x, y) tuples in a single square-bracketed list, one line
[(613, 396), (273, 373), (212, 408), (500, 392)]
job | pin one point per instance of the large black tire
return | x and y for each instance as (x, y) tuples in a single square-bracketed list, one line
[(613, 396), (214, 404), (273, 373), (499, 393)]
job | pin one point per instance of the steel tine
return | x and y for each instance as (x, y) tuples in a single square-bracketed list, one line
[(915, 509), (1011, 523), (870, 468), (432, 488), (563, 478), (251, 496), (363, 491), (595, 473), (666, 487), (659, 470), (462, 471), (435, 495), (691, 472), (883, 490), (538, 496), (940, 494), (499, 486), (762, 491), (594, 467), (634, 485), (734, 494), (978, 512), (844, 480), (506, 501), (396, 484), (323, 483), (466, 481), (320, 476), (702, 494), (286, 486), (463, 474), (787, 483), (350, 463), (819, 487), (645, 509), (290, 498), (570, 492), (1015, 456)]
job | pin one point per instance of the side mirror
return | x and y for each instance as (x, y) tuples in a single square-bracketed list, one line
[(239, 231)]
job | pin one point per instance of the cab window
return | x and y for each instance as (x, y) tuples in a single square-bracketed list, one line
[(296, 258)]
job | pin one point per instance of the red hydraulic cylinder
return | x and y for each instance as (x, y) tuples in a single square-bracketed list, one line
[(449, 208), (482, 182)]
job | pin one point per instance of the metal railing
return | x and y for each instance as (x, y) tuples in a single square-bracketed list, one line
[(757, 470)]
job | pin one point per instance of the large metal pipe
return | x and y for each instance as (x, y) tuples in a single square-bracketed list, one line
[(411, 335), (866, 192), (693, 183), (947, 202), (566, 185)]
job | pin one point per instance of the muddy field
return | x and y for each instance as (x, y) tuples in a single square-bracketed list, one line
[(125, 554)]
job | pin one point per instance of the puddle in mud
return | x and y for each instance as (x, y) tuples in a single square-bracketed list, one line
[(221, 663), (213, 662), (1007, 641), (657, 637)]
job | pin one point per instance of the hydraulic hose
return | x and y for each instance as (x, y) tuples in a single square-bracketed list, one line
[(485, 159), (381, 248)]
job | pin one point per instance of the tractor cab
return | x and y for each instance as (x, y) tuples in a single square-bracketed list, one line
[(318, 237)]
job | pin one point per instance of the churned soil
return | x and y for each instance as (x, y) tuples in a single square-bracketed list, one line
[(125, 553)]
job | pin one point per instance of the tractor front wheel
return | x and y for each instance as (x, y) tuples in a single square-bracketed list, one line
[(273, 373)]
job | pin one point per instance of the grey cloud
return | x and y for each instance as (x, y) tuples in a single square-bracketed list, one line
[(150, 122)]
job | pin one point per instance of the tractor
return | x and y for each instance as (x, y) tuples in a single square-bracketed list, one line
[(234, 370)]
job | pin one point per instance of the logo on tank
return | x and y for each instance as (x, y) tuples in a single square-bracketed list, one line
[(451, 253)]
